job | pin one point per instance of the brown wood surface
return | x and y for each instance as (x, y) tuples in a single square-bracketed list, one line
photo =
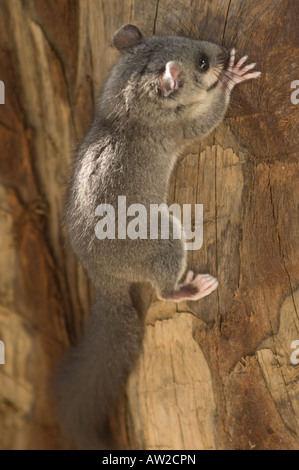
[(215, 374)]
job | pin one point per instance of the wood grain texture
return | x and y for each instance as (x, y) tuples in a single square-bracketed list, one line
[(54, 57), (215, 374)]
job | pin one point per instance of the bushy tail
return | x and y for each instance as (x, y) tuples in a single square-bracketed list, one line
[(91, 376)]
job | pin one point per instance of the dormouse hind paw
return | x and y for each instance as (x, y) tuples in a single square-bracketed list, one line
[(193, 288)]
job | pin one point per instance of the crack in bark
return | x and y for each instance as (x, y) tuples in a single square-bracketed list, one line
[(222, 398), (216, 226), (275, 218), (266, 383), (131, 10), (280, 244), (62, 65), (156, 17), (176, 397), (7, 127), (225, 22)]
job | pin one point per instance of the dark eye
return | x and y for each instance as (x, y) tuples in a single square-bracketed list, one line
[(203, 63)]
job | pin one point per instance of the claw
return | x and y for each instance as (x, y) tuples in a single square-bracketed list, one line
[(241, 61), (247, 68), (248, 76), (232, 57), (189, 278)]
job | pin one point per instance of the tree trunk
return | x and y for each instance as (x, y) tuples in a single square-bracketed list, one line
[(215, 374)]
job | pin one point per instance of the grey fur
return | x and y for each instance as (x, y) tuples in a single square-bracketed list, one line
[(130, 149)]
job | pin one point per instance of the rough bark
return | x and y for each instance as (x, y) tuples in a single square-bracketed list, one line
[(215, 374)]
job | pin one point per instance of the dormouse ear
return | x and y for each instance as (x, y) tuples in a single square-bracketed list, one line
[(170, 78), (126, 37)]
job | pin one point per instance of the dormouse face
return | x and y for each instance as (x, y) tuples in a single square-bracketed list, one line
[(168, 72)]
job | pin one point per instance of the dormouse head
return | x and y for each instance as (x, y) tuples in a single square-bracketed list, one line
[(166, 72)]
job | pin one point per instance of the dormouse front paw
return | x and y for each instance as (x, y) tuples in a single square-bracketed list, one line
[(237, 73)]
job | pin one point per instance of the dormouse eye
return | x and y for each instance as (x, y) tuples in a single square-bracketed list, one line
[(203, 63)]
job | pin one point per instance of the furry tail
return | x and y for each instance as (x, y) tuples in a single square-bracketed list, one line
[(91, 376)]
